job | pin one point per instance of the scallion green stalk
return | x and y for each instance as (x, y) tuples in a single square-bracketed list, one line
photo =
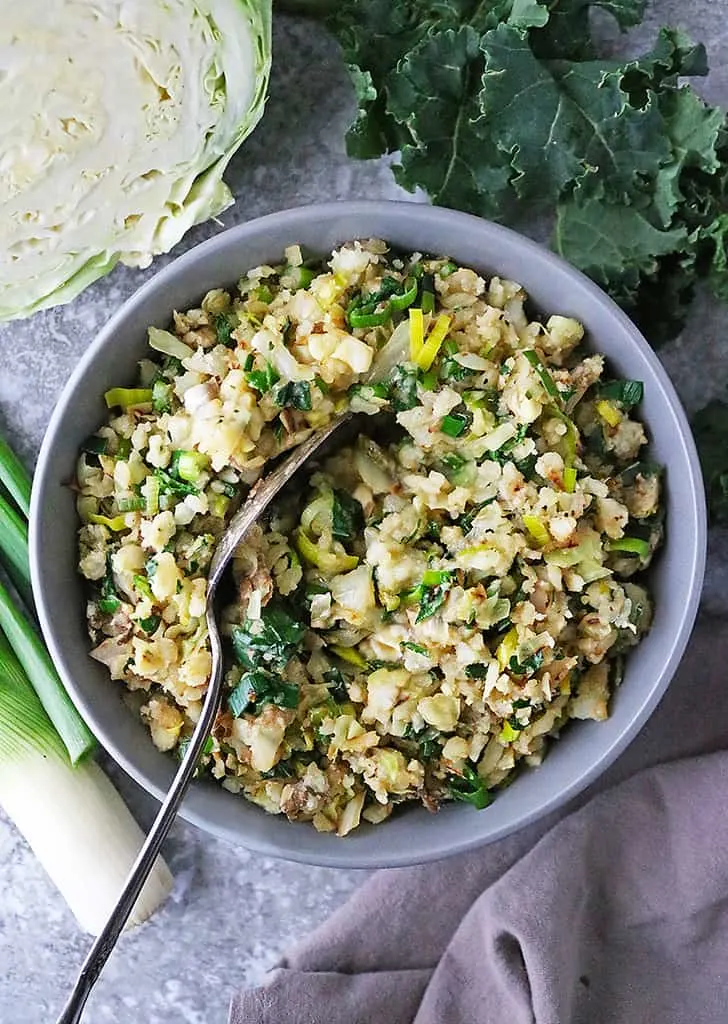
[(15, 477), (73, 819), (36, 662), (14, 548)]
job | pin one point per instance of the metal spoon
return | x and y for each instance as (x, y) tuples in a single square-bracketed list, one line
[(259, 498)]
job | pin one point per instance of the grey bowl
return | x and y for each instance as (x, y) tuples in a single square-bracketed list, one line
[(586, 748)]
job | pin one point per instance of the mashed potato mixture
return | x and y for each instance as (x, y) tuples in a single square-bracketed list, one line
[(422, 610)]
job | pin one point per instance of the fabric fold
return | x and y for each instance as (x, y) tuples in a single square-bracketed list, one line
[(613, 909)]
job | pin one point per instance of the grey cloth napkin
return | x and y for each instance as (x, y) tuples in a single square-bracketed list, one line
[(613, 910)]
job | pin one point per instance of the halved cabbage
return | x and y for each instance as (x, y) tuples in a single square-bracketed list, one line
[(119, 119)]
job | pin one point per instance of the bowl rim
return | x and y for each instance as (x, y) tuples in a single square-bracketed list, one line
[(452, 843)]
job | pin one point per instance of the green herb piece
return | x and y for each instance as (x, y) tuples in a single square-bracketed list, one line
[(627, 392), (451, 369), (334, 679), (526, 667), (544, 376), (162, 396), (225, 324), (465, 521), (432, 597), (263, 380), (403, 388), (295, 394), (150, 624), (258, 688), (446, 269), (171, 366), (417, 648), (432, 529), (95, 445), (184, 745), (282, 770), (109, 601), (453, 462), (347, 516), (269, 642), (469, 788), (476, 671)]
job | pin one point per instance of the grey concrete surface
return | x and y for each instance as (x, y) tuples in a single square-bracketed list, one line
[(231, 913)]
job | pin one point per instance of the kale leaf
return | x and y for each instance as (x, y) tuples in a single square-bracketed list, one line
[(270, 641), (507, 109)]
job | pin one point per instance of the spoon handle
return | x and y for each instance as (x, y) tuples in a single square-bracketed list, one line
[(260, 496), (104, 944)]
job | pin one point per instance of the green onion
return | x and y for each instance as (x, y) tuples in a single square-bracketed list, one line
[(453, 425), (405, 299), (143, 587), (189, 465), (151, 490), (427, 300), (300, 277), (447, 269), (130, 504), (14, 548), (631, 546), (544, 376), (218, 505), (263, 294), (14, 477), (360, 318), (115, 523), (433, 577), (127, 398), (569, 479), (38, 666), (170, 484)]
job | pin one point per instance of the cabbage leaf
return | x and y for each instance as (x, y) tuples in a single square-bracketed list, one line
[(119, 122)]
